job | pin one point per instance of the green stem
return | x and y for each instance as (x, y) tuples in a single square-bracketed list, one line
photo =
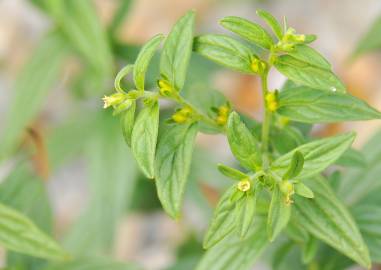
[(179, 99), (266, 123)]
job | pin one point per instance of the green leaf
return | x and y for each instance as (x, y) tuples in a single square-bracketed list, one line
[(144, 57), (308, 105), (296, 166), (279, 214), (225, 51), (352, 158), (326, 218), (223, 221), (80, 25), (144, 138), (310, 249), (127, 121), (18, 233), (173, 160), (31, 89), (112, 174), (368, 219), (231, 172), (286, 138), (318, 155), (25, 192), (92, 263), (310, 55), (308, 75), (248, 30), (304, 191), (272, 22), (233, 253), (177, 50), (245, 214), (242, 143), (371, 40)]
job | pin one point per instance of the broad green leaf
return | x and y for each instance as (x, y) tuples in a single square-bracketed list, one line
[(242, 143), (352, 158), (92, 263), (279, 214), (306, 74), (173, 160), (248, 30), (286, 138), (245, 214), (144, 138), (128, 121), (296, 166), (231, 172), (32, 86), (304, 191), (223, 221), (326, 218), (368, 219), (20, 234), (225, 51), (351, 189), (177, 50), (112, 173), (371, 40), (309, 55), (309, 105), (233, 253), (272, 22), (143, 60), (318, 155)]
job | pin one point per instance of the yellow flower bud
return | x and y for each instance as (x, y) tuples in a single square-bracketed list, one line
[(165, 88), (287, 188), (114, 99), (186, 111), (221, 120), (223, 110), (255, 65), (272, 106), (244, 185), (270, 97), (179, 118)]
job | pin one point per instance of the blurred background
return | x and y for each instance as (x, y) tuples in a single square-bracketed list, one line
[(63, 156)]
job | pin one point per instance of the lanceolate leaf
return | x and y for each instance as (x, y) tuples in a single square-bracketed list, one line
[(143, 60), (352, 158), (279, 214), (223, 221), (233, 253), (309, 55), (127, 121), (242, 143), (177, 51), (308, 105), (318, 155), (144, 137), (31, 89), (226, 51), (326, 218), (173, 160), (296, 165), (231, 172), (272, 22), (304, 191), (18, 233), (248, 30), (368, 219), (245, 214), (309, 75)]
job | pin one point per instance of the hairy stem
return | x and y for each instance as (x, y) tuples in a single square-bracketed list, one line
[(266, 123)]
